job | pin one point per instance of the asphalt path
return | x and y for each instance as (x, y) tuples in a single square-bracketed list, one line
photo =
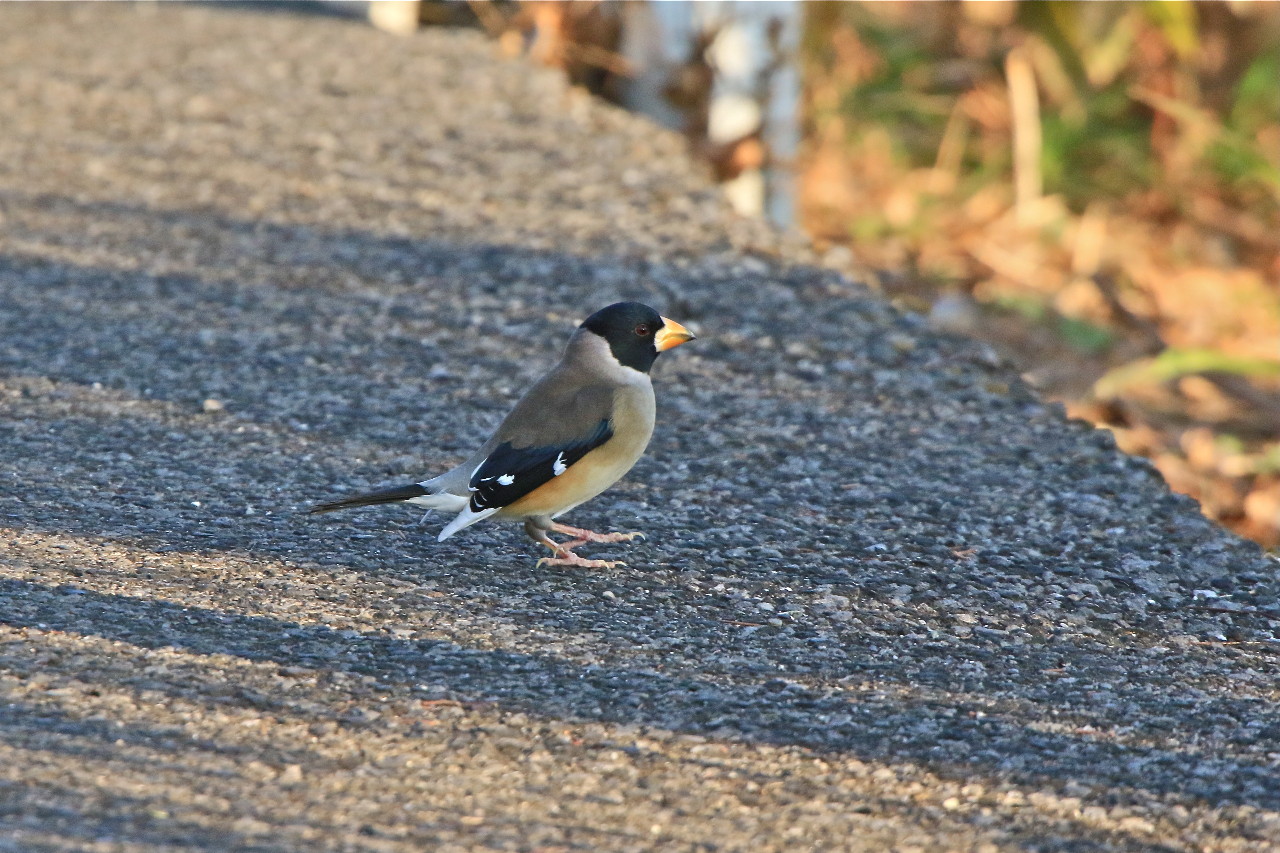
[(252, 259)]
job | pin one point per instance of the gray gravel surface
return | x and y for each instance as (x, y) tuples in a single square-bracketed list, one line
[(249, 260)]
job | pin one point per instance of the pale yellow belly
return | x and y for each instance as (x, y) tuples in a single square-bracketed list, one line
[(585, 479)]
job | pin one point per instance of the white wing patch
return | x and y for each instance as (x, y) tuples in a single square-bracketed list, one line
[(503, 479), (558, 467)]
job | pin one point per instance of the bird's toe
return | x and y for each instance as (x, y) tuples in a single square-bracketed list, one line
[(571, 559)]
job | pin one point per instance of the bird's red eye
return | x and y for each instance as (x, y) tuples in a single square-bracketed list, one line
[(642, 330)]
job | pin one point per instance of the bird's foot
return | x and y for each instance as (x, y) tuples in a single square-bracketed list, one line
[(562, 552), (565, 557), (581, 536)]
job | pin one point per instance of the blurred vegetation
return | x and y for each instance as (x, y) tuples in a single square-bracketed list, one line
[(1092, 187)]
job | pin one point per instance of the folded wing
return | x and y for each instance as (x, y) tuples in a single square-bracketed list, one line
[(509, 473)]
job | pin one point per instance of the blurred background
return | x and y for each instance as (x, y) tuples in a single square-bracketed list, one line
[(1093, 189)]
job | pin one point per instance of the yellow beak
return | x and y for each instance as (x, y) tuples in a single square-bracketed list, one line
[(672, 334)]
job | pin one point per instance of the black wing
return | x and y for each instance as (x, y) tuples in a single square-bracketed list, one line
[(509, 473)]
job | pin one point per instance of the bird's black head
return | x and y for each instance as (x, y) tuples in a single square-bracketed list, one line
[(636, 333)]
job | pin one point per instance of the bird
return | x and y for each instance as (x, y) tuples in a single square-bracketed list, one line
[(573, 434)]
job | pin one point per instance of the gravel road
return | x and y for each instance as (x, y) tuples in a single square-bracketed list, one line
[(890, 601)]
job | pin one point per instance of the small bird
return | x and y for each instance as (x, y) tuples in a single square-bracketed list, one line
[(575, 433)]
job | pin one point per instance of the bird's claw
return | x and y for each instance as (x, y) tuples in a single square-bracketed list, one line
[(581, 536), (614, 537), (562, 552), (571, 559)]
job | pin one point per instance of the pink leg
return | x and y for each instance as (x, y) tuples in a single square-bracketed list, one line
[(564, 555), (568, 558), (581, 536), (563, 552)]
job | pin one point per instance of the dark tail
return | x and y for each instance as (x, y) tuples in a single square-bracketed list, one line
[(388, 496)]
